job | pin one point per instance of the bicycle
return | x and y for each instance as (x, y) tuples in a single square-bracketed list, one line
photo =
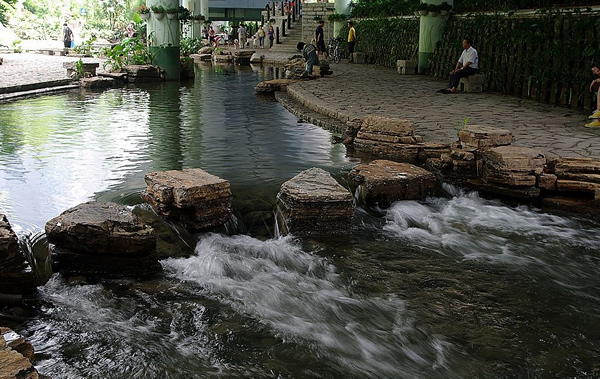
[(334, 49)]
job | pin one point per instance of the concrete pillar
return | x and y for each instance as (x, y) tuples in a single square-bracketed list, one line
[(204, 8), (430, 32), (341, 7), (163, 35)]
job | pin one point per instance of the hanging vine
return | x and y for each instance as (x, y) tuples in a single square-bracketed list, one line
[(384, 41), (547, 57)]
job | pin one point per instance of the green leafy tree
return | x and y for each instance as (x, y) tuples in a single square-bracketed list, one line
[(5, 6)]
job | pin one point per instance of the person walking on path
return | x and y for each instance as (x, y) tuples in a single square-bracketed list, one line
[(67, 35), (261, 37), (309, 52), (595, 84), (320, 39), (351, 40), (242, 36), (467, 65), (271, 33)]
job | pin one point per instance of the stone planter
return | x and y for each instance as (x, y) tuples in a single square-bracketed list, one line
[(423, 13), (171, 16), (433, 13), (159, 16), (145, 16), (444, 13)]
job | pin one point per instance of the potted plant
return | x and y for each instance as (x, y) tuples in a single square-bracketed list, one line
[(445, 8), (171, 13), (159, 11), (144, 12), (433, 10), (184, 14), (199, 18), (423, 9)]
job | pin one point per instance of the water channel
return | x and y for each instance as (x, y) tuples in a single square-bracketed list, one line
[(456, 286)]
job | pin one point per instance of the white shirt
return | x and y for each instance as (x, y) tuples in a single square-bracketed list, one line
[(470, 55)]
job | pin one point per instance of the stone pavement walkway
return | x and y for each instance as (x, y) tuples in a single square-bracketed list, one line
[(21, 71), (355, 91)]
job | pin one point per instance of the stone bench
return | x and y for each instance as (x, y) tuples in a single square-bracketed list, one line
[(360, 58), (473, 83), (87, 67), (406, 67)]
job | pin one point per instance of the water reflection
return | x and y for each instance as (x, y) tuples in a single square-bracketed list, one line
[(61, 150)]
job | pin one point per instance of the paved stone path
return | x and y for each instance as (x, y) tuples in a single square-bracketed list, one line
[(29, 68), (354, 91), (357, 90)]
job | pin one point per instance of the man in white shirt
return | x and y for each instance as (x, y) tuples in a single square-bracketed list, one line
[(467, 65)]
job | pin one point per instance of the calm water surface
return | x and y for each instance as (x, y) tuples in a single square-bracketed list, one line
[(453, 287)]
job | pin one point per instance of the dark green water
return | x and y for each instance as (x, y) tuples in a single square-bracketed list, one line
[(454, 287)]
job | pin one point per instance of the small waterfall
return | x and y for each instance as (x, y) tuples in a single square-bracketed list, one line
[(301, 297)]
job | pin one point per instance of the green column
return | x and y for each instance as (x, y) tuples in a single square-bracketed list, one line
[(341, 7), (430, 32), (163, 36)]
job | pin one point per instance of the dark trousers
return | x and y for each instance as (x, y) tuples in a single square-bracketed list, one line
[(455, 78)]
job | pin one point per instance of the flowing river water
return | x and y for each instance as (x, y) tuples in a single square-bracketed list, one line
[(456, 286)]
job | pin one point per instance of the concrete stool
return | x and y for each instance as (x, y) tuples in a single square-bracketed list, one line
[(473, 83), (406, 67), (359, 58)]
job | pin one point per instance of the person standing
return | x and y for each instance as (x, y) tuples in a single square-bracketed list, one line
[(242, 36), (271, 33), (595, 85), (130, 31), (211, 35), (261, 37), (67, 35), (320, 39), (467, 65), (351, 41)]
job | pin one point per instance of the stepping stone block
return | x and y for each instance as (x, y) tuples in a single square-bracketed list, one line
[(274, 85), (473, 83), (143, 73), (512, 171), (314, 203), (16, 275), (193, 197), (87, 67), (383, 182), (406, 67), (478, 137)]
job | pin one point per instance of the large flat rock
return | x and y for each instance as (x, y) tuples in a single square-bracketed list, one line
[(383, 182), (101, 229), (314, 203)]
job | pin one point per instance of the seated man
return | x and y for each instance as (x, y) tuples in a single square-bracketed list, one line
[(309, 52), (467, 65)]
